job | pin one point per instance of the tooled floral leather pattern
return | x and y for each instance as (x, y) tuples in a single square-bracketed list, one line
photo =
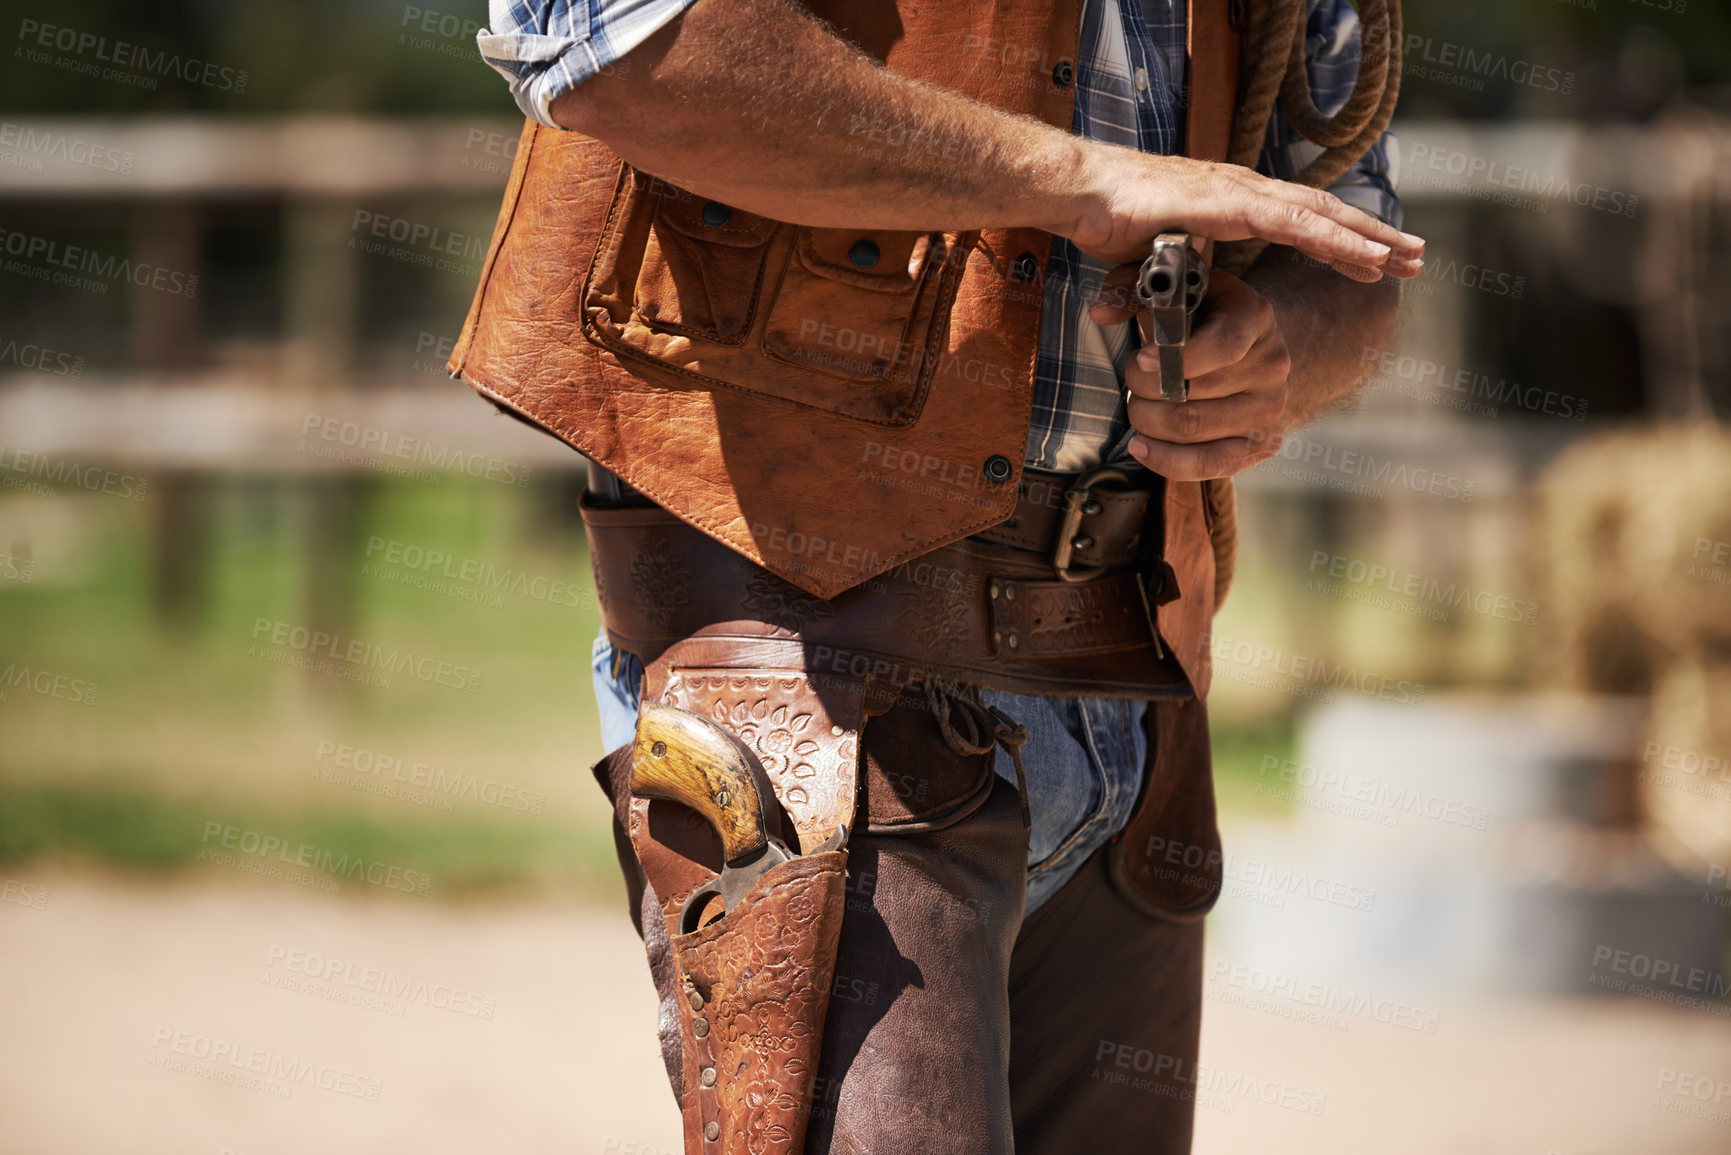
[(783, 604), (940, 614), (762, 975), (809, 747), (602, 599), (659, 583)]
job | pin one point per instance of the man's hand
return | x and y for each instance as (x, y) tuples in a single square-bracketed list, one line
[(1139, 195), (1237, 364), (1269, 353)]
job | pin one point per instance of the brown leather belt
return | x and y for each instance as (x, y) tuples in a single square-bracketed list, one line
[(1058, 599), (1104, 514), (1086, 523)]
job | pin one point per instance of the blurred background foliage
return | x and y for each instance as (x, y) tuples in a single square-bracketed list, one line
[(361, 56)]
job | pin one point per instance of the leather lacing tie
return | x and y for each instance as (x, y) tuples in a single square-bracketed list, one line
[(979, 718)]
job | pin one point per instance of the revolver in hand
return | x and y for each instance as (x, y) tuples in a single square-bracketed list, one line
[(1170, 286)]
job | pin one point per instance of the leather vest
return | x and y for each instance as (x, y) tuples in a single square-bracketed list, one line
[(768, 383)]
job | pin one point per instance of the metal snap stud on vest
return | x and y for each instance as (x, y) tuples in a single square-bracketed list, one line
[(1082, 541), (716, 214), (1025, 268), (864, 253), (696, 1001), (997, 469), (1063, 74), (700, 1028), (712, 1132), (708, 1076)]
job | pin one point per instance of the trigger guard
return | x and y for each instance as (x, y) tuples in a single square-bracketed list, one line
[(693, 906)]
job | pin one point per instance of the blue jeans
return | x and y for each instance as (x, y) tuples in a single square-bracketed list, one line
[(1083, 760)]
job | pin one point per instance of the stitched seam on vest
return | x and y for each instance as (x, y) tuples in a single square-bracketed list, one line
[(479, 304)]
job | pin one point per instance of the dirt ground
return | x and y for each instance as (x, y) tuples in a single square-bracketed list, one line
[(251, 1016)]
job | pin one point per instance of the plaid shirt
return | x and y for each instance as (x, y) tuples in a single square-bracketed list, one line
[(1129, 91)]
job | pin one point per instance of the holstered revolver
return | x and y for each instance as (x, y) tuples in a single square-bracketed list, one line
[(1170, 285), (749, 989), (686, 758)]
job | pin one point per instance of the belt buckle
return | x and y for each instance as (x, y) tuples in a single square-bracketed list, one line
[(1076, 499)]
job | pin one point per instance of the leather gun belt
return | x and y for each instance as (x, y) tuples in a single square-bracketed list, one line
[(1057, 599)]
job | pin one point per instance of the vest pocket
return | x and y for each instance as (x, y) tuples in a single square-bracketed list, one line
[(702, 266), (843, 321), (675, 273)]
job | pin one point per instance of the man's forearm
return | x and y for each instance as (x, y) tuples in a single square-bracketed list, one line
[(757, 104), (1328, 322)]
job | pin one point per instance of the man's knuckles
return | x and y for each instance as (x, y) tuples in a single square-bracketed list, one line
[(1195, 422), (1279, 359), (1236, 329), (1262, 448), (1188, 424)]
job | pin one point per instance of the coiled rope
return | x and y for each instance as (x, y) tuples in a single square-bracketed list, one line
[(1274, 47)]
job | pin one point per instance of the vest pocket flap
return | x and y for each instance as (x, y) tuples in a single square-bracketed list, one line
[(882, 260), (705, 220), (822, 321)]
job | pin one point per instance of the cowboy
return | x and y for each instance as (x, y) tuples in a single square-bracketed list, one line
[(887, 479)]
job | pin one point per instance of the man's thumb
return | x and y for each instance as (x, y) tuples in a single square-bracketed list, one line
[(1117, 301)]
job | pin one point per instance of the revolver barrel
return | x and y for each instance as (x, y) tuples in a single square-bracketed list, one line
[(1170, 285)]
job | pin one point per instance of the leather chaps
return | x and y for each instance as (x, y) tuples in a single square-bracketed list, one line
[(865, 997)]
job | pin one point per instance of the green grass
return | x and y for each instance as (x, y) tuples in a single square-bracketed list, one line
[(155, 833), (1240, 750), (189, 728)]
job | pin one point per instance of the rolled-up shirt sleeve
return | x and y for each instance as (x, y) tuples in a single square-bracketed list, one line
[(1331, 49), (545, 48)]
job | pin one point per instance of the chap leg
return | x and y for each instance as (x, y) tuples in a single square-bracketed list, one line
[(1105, 1013), (917, 1044)]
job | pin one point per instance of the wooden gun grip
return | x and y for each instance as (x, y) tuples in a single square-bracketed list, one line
[(685, 758)]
